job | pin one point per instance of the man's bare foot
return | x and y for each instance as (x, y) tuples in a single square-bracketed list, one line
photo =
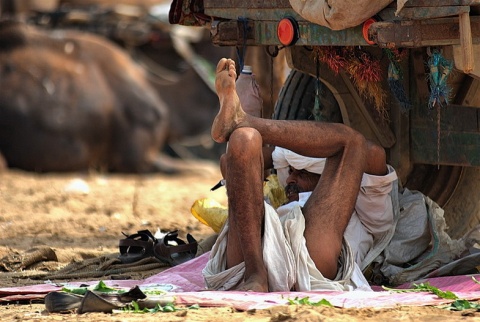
[(255, 283), (231, 114)]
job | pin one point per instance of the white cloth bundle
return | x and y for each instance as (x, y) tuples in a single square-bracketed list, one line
[(283, 158), (338, 14), (286, 258)]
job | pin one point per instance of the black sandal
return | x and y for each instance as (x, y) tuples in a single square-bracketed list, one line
[(136, 246), (177, 254)]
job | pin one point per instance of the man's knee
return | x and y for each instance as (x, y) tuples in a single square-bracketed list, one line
[(357, 141), (325, 256), (243, 141)]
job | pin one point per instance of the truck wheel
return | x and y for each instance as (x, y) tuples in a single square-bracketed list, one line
[(452, 187)]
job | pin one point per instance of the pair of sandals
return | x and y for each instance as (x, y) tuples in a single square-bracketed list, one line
[(170, 249), (91, 301)]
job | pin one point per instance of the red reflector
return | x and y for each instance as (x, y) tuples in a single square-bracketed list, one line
[(366, 26), (287, 31)]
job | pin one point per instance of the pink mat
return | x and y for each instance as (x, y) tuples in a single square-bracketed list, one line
[(186, 282)]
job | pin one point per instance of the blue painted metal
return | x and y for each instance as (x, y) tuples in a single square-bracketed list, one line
[(265, 33), (264, 18)]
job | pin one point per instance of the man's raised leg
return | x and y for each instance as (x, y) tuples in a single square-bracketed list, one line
[(244, 183)]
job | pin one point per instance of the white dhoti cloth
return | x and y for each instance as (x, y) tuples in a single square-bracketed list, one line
[(286, 259)]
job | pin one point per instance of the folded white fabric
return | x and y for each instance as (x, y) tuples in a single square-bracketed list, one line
[(286, 258)]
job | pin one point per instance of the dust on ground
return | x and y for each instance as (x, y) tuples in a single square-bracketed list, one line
[(83, 215)]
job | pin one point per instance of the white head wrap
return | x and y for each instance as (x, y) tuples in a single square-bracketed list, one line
[(283, 158)]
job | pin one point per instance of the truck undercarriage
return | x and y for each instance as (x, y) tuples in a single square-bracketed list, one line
[(422, 105)]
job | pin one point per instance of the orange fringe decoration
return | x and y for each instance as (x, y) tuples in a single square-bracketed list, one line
[(363, 69), (332, 57)]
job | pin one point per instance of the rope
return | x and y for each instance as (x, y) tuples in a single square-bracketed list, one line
[(395, 78), (94, 273), (93, 267), (316, 107), (272, 103), (241, 53), (440, 68)]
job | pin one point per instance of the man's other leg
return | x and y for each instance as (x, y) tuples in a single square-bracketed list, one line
[(244, 183), (330, 207)]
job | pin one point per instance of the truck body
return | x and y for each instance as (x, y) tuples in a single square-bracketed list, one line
[(434, 143)]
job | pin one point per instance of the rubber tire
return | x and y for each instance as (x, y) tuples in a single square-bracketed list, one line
[(461, 205)]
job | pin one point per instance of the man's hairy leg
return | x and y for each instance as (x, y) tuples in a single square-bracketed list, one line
[(330, 207), (244, 182)]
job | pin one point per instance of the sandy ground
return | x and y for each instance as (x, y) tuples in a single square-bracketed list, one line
[(88, 221)]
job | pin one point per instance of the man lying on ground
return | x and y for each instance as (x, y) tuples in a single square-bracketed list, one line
[(338, 190)]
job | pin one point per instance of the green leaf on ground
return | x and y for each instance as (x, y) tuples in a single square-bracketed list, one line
[(78, 291), (457, 305), (425, 287), (306, 301), (133, 307), (102, 287), (460, 305)]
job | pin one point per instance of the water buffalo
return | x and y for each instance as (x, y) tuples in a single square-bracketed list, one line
[(73, 101)]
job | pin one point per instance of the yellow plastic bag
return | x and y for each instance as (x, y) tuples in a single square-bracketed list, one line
[(209, 212), (274, 192)]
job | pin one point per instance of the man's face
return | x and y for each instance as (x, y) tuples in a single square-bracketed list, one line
[(300, 181)]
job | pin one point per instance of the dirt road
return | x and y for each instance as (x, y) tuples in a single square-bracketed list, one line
[(82, 216)]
